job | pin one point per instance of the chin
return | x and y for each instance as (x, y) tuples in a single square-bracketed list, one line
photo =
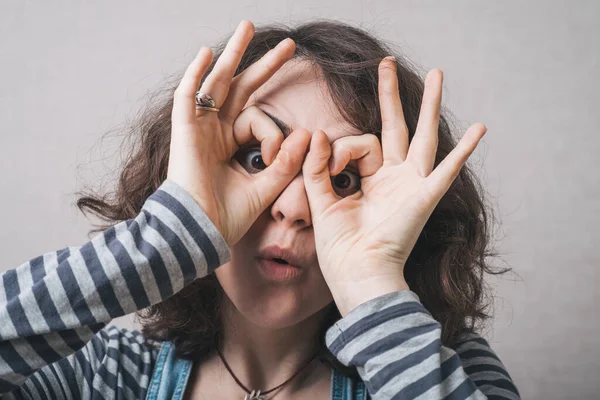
[(277, 308), (275, 313)]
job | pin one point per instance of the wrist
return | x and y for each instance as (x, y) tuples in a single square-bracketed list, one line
[(349, 295)]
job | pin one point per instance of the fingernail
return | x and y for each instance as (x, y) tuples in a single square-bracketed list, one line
[(391, 59)]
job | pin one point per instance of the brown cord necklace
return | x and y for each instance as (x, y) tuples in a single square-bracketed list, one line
[(258, 394)]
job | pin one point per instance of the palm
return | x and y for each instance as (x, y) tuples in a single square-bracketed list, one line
[(227, 187), (373, 220)]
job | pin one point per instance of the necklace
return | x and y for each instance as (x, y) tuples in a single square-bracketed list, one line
[(258, 394)]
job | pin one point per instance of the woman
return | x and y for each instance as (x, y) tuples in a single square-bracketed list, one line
[(345, 265)]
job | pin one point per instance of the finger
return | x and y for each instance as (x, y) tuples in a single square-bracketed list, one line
[(315, 171), (424, 144), (446, 172), (252, 123), (394, 132), (217, 82), (184, 97), (365, 149), (246, 83), (270, 182)]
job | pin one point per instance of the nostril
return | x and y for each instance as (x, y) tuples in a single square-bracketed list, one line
[(279, 216)]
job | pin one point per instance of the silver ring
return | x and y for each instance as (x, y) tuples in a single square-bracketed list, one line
[(205, 102)]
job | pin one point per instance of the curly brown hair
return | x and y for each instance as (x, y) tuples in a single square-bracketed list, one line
[(447, 265)]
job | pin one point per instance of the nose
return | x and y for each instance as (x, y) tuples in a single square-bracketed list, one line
[(291, 206)]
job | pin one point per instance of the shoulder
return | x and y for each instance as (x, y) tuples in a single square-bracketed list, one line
[(483, 366), (115, 363), (113, 334), (471, 346), (117, 343), (117, 354)]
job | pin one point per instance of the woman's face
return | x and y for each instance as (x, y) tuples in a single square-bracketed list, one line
[(297, 96)]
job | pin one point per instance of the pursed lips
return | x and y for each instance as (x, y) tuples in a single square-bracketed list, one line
[(284, 256)]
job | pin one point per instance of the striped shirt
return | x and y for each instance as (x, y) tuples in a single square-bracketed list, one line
[(54, 309)]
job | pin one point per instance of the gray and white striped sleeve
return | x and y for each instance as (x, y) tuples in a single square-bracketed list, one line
[(53, 305), (395, 344)]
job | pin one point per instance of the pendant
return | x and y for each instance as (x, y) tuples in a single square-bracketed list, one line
[(255, 395)]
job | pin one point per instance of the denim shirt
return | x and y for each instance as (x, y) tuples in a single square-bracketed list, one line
[(170, 378)]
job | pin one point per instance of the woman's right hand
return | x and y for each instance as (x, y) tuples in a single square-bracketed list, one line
[(204, 142)]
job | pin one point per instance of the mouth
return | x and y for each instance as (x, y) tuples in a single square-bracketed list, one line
[(283, 256), (278, 271), (280, 264)]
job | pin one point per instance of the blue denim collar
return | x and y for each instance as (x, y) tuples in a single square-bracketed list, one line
[(171, 374)]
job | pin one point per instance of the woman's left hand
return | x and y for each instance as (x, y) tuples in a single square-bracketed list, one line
[(364, 240)]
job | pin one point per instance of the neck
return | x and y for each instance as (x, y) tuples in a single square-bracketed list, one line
[(263, 358)]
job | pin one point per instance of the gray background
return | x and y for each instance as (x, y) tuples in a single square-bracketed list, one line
[(72, 71)]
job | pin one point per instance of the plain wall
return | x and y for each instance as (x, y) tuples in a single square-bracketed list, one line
[(72, 71)]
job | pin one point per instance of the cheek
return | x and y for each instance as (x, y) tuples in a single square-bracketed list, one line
[(251, 240), (318, 286)]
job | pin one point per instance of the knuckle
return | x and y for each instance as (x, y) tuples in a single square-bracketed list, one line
[(341, 145), (271, 137), (181, 93), (336, 146), (285, 162), (390, 92), (315, 163), (316, 175), (284, 158), (270, 62), (372, 140), (346, 156), (246, 113), (217, 79), (177, 93), (323, 155)]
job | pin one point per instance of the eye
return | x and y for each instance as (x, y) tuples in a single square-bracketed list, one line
[(251, 159), (346, 183)]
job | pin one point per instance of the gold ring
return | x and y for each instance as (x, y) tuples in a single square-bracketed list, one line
[(207, 108)]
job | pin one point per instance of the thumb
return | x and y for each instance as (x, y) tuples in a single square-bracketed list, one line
[(270, 182), (315, 170)]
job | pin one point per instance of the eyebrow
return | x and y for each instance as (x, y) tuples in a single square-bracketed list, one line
[(285, 128)]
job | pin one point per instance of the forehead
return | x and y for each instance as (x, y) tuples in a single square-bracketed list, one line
[(297, 94)]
